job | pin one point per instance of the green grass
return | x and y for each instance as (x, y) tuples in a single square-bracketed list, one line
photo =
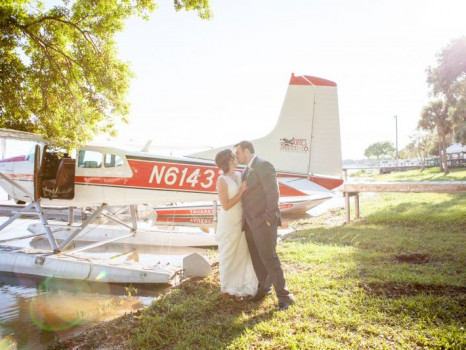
[(429, 174), (394, 280)]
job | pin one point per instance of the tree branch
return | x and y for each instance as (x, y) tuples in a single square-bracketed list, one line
[(52, 62), (86, 35)]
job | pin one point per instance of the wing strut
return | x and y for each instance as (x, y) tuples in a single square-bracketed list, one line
[(48, 232), (39, 212)]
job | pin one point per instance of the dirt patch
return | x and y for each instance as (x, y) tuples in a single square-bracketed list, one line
[(106, 335), (413, 258), (400, 290)]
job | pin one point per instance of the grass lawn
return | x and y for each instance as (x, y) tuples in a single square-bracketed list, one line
[(395, 279), (429, 174)]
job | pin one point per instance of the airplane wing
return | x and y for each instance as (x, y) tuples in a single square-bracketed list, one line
[(20, 135)]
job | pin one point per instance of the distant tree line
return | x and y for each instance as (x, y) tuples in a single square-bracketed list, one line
[(380, 149)]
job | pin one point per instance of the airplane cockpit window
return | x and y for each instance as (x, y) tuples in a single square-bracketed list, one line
[(89, 159), (112, 160)]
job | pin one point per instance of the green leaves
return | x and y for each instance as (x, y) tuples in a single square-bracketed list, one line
[(379, 149), (59, 72), (448, 82), (201, 6), (449, 76)]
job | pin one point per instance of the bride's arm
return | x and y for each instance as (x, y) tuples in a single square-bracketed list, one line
[(222, 189)]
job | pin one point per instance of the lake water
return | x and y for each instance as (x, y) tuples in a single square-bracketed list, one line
[(35, 311)]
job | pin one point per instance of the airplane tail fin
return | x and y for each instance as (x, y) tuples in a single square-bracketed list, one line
[(146, 146), (306, 138)]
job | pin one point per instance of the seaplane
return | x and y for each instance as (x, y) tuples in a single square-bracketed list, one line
[(304, 147)]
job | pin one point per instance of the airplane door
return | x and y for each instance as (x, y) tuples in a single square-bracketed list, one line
[(89, 176), (55, 179)]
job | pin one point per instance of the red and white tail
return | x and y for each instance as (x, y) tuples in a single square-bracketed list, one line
[(306, 138)]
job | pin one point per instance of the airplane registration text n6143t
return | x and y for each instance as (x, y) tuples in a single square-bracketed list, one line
[(173, 176)]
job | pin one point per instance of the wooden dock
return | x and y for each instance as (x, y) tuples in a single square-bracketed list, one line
[(353, 190)]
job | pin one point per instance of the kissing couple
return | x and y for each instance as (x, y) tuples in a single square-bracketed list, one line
[(247, 228)]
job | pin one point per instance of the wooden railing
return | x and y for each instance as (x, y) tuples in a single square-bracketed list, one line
[(353, 190)]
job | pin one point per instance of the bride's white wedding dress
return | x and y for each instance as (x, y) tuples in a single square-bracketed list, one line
[(237, 276)]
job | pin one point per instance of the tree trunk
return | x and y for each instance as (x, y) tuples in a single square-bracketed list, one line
[(423, 160), (444, 152)]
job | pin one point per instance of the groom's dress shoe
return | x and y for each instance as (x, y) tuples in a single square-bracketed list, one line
[(260, 296), (284, 305)]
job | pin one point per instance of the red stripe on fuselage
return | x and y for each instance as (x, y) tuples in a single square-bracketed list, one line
[(160, 175), (13, 159), (186, 220), (185, 212), (24, 177)]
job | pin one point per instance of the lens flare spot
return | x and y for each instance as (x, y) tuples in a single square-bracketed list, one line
[(8, 343), (101, 275), (54, 315)]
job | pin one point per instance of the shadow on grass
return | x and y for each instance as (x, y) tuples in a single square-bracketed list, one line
[(396, 290)]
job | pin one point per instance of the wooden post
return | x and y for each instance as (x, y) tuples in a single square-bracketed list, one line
[(347, 208), (353, 189), (356, 205)]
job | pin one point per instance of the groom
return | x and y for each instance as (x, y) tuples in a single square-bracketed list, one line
[(261, 218)]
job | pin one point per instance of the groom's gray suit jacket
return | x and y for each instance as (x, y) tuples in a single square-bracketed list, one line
[(260, 200)]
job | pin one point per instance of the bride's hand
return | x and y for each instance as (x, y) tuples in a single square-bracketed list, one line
[(243, 187)]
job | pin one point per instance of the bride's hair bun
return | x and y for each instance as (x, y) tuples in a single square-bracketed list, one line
[(222, 159)]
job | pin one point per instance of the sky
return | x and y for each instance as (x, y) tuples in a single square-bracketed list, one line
[(208, 83)]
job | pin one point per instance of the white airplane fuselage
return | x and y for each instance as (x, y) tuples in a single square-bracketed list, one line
[(134, 178)]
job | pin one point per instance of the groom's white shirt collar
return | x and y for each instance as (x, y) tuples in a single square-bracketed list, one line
[(251, 160)]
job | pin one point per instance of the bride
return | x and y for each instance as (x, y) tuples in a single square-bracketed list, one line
[(237, 276)]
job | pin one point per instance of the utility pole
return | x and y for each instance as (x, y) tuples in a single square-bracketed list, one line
[(396, 139)]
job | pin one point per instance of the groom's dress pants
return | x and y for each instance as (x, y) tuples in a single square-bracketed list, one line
[(262, 244)]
